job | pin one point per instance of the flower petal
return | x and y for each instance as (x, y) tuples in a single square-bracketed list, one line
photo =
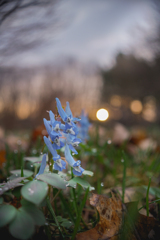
[(68, 156), (49, 145), (43, 165), (68, 110), (61, 111)]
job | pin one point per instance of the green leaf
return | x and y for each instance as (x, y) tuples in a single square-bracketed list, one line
[(17, 192), (35, 213), (1, 200), (59, 218), (89, 173), (23, 225), (33, 159), (34, 191), (81, 182), (53, 179), (12, 184), (17, 172), (7, 214), (67, 224)]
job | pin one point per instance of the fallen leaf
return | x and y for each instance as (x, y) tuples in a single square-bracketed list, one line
[(110, 211)]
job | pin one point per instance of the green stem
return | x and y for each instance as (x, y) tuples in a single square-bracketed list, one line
[(22, 174), (149, 204), (147, 198), (73, 193), (35, 170), (43, 147), (54, 216)]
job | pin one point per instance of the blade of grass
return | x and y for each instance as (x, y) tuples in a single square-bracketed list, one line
[(147, 198), (124, 175), (7, 166), (66, 206), (22, 174), (73, 194), (54, 216), (79, 214), (157, 200)]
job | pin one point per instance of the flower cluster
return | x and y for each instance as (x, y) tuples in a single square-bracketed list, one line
[(63, 135)]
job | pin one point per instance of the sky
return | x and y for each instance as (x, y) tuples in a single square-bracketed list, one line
[(89, 31)]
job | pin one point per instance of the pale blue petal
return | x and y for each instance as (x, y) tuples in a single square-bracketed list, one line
[(62, 126), (73, 149), (52, 118), (48, 128), (76, 119), (78, 173), (61, 111), (43, 165), (49, 145), (57, 167), (77, 163), (68, 110), (68, 156)]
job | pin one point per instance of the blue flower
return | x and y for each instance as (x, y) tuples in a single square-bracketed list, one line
[(72, 142), (59, 164), (57, 143), (42, 167), (73, 130), (49, 129), (77, 169), (69, 114), (53, 134), (56, 125), (66, 115)]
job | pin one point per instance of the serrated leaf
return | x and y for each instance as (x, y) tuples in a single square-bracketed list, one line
[(53, 179), (81, 182), (23, 225), (7, 214), (34, 191), (37, 215), (26, 173)]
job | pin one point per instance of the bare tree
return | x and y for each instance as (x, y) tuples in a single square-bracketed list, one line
[(8, 7)]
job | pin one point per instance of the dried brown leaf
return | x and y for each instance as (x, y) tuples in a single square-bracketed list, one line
[(110, 211)]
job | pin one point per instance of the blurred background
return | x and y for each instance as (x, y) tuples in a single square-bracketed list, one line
[(94, 54)]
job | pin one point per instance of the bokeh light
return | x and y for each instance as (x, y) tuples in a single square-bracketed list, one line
[(115, 101), (102, 114), (136, 106)]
